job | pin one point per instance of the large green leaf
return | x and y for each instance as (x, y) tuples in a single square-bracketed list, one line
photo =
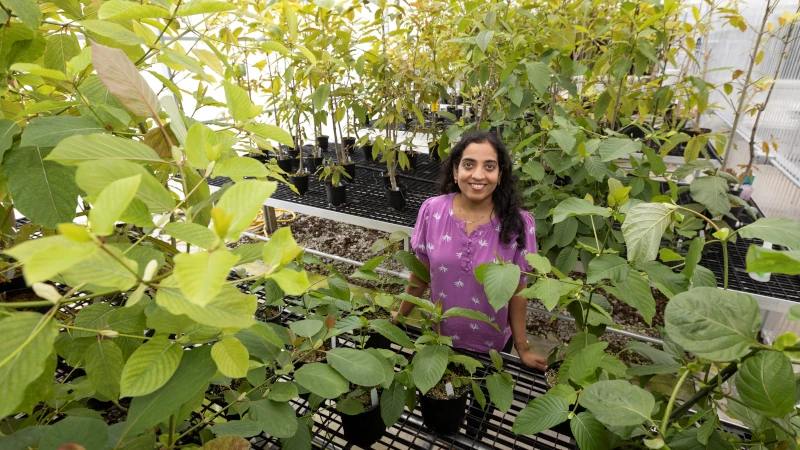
[(231, 357), (111, 203), (762, 260), (239, 105), (483, 39), (230, 308), (282, 249), (618, 403), (200, 143), (500, 281), (577, 207), (291, 281), (78, 431), (413, 264), (320, 96), (541, 414), (276, 419), (74, 150), (607, 267), (584, 364), (261, 341), (614, 148), (124, 81), (242, 202), (589, 432), (227, 443), (8, 129), (238, 168), (104, 367), (635, 291), (119, 9), (392, 403), (653, 354), (93, 176), (113, 31), (644, 225), (103, 269), (429, 366), (307, 327), (26, 360), (766, 384), (501, 390), (391, 332), (192, 233), (547, 290), (322, 380), (43, 191), (715, 324), (272, 132), (565, 231), (358, 366), (539, 76), (203, 7), (712, 192), (149, 367), (200, 275), (776, 230), (662, 277), (243, 428), (194, 371), (50, 131), (27, 11)]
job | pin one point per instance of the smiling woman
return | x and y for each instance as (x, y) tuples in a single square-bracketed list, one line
[(476, 220)]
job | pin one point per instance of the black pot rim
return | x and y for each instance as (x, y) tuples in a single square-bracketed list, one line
[(402, 188)]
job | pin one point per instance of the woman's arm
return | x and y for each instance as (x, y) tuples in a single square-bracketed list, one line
[(416, 291), (517, 315)]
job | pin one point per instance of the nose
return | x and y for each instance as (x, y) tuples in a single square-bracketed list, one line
[(478, 173)]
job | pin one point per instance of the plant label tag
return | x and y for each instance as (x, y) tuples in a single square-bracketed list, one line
[(333, 342), (374, 395), (449, 388)]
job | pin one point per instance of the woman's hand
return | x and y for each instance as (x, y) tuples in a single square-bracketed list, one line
[(533, 360)]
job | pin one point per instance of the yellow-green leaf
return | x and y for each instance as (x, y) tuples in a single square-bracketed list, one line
[(242, 202), (36, 69), (229, 309), (149, 367), (200, 275), (104, 367), (111, 203), (231, 357)]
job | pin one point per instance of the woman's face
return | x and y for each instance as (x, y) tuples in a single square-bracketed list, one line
[(478, 172)]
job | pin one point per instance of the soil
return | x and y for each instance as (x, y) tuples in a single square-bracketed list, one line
[(379, 313), (365, 398), (313, 356), (439, 391), (266, 313)]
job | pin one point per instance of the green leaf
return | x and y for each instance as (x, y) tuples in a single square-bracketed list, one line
[(231, 357), (656, 162), (200, 143), (349, 406), (635, 291), (483, 39), (282, 249), (693, 257), (104, 367), (567, 259), (585, 362), (248, 253), (686, 169), (227, 443), (195, 234), (203, 7), (200, 275), (539, 262), (776, 230), (539, 76), (119, 9), (541, 414), (663, 278), (653, 354), (693, 148), (239, 104), (123, 79), (643, 228), (762, 260), (547, 290), (322, 380), (429, 366), (283, 391), (78, 431), (652, 369), (607, 266), (26, 360), (392, 332), (230, 308), (589, 433), (614, 148), (93, 176), (291, 281), (238, 168), (242, 202), (113, 31), (194, 371), (273, 132), (357, 366), (618, 403), (714, 324), (276, 419), (410, 262), (27, 11), (8, 129), (712, 192), (307, 328), (500, 281), (766, 384), (501, 390), (49, 131), (103, 270), (392, 403), (597, 168), (111, 203), (149, 367), (577, 207), (43, 191), (244, 428), (320, 96), (703, 277)]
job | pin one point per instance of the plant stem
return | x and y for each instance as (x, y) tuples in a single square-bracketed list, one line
[(170, 441), (725, 264), (71, 327), (710, 222), (36, 304), (723, 376), (671, 403)]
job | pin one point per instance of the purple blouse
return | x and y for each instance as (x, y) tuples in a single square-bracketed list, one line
[(441, 240)]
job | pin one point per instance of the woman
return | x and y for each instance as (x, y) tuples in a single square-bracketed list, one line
[(477, 217)]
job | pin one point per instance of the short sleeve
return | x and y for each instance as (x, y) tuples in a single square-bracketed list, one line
[(530, 246), (419, 236)]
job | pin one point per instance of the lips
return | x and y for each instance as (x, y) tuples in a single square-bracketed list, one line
[(477, 186)]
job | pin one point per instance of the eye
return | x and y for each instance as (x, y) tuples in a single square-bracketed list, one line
[(467, 165)]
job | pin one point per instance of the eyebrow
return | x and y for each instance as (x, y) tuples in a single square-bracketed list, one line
[(472, 160)]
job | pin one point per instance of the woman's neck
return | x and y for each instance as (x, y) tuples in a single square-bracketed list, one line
[(475, 207)]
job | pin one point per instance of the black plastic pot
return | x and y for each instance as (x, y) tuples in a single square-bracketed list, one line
[(300, 182), (396, 199), (293, 153), (285, 165), (323, 142), (261, 314), (433, 151), (367, 149), (736, 211), (443, 416), (337, 195), (363, 429), (351, 170), (313, 163), (459, 99), (349, 143), (376, 340), (387, 180)]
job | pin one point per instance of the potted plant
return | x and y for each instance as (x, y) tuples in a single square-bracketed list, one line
[(333, 174)]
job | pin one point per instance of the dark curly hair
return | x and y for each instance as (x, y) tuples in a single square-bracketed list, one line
[(507, 200)]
